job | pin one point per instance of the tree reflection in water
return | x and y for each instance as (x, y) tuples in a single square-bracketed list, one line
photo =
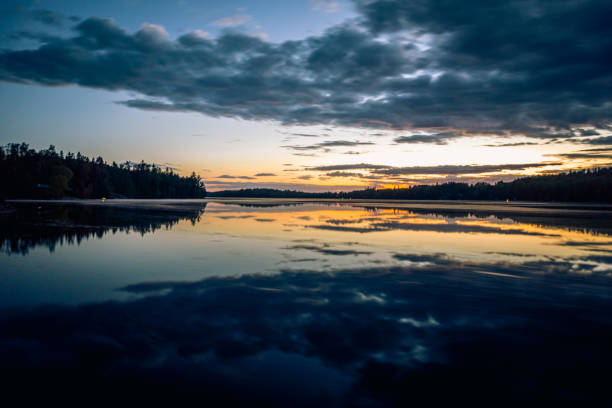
[(49, 225)]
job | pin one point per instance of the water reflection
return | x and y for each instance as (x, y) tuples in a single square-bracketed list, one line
[(313, 304), (49, 225), (389, 235), (390, 336)]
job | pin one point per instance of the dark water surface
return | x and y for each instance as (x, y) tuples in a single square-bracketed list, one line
[(293, 303)]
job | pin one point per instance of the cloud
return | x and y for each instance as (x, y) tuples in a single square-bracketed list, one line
[(588, 132), (338, 170), (360, 166), (327, 6), (516, 144), (308, 147), (195, 38), (435, 138), (585, 155), (493, 69), (336, 143), (325, 146), (348, 174), (227, 176), (462, 169), (437, 174), (265, 175), (304, 135), (598, 149), (232, 21), (607, 140), (306, 154), (47, 17)]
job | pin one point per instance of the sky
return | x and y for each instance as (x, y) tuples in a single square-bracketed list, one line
[(314, 95)]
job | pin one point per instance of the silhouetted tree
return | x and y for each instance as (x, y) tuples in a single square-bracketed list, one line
[(591, 185), (27, 173)]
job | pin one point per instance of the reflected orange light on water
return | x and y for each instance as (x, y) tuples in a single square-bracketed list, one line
[(386, 232)]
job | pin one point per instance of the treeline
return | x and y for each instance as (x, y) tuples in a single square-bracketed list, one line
[(591, 185), (272, 193), (27, 173)]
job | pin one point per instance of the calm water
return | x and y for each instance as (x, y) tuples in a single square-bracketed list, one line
[(279, 302)]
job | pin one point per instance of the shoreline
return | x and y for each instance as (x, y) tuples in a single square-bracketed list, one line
[(520, 207)]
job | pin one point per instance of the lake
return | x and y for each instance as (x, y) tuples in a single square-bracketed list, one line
[(307, 302)]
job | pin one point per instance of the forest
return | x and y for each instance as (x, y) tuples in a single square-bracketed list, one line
[(27, 173), (590, 185)]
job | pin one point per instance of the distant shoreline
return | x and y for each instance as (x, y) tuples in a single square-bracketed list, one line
[(587, 186), (472, 206)]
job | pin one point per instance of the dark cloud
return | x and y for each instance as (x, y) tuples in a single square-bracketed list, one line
[(513, 144), (307, 147), (607, 140), (229, 177), (305, 154), (325, 146), (382, 170), (461, 169), (588, 132), (585, 155), (304, 135), (265, 175), (361, 166), (42, 16), (598, 149), (534, 67), (347, 174), (335, 143), (592, 153), (441, 138), (48, 17)]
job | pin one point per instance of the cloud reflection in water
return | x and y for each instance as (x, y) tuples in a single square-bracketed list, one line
[(357, 336)]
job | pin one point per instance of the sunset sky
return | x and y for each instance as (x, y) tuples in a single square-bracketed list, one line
[(314, 95)]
